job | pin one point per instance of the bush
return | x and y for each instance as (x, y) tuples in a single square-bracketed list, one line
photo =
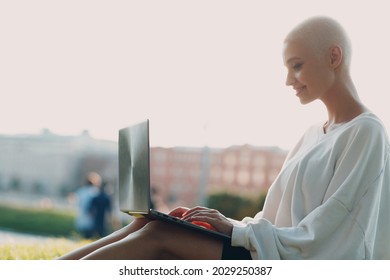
[(235, 206), (37, 221)]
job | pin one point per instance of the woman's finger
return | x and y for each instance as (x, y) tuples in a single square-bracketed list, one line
[(179, 212)]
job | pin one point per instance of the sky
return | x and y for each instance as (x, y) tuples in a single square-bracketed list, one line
[(203, 72)]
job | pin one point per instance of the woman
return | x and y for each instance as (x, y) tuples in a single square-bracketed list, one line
[(331, 198)]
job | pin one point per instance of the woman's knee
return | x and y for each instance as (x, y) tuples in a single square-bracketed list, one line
[(155, 230), (158, 235), (172, 242)]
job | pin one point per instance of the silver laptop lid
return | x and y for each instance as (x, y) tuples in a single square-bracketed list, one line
[(134, 172)]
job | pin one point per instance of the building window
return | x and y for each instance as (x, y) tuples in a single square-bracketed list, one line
[(245, 158), (258, 177), (215, 173), (230, 160), (259, 161), (228, 176), (243, 177)]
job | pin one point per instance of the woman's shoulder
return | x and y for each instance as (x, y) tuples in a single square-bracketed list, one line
[(365, 131), (367, 123), (366, 127)]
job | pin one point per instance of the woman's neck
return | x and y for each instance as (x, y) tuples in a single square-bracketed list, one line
[(343, 104)]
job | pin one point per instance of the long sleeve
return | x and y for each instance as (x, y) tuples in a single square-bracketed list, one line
[(329, 201)]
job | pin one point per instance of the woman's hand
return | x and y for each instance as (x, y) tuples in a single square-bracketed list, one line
[(178, 212), (211, 216)]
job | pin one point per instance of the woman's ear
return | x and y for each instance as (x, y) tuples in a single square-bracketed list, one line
[(336, 56)]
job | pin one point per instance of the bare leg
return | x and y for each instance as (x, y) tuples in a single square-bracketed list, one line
[(112, 238), (159, 240)]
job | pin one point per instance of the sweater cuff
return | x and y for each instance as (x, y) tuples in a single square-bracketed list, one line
[(239, 236)]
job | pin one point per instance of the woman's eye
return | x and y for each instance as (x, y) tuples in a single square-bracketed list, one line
[(297, 66)]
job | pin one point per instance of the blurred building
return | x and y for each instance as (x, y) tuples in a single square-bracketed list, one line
[(54, 165), (187, 175)]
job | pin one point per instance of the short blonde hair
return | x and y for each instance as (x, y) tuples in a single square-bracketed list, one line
[(322, 33)]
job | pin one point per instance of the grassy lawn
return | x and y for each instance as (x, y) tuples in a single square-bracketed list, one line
[(57, 226), (45, 250)]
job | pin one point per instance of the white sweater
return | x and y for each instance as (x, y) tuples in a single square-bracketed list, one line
[(331, 199)]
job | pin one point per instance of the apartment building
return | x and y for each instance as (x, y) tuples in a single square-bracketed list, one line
[(187, 175)]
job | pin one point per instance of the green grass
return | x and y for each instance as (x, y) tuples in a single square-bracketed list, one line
[(56, 224), (46, 250)]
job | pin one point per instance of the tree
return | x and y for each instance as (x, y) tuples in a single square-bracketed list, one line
[(15, 184)]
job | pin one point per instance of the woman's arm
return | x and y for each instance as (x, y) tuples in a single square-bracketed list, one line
[(112, 238)]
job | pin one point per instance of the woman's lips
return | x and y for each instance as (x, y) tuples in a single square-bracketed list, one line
[(299, 90)]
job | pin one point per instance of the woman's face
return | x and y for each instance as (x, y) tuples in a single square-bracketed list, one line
[(307, 70)]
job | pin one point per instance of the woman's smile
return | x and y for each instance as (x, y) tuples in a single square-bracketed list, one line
[(299, 90)]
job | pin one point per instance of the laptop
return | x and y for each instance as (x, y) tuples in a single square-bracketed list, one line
[(134, 179)]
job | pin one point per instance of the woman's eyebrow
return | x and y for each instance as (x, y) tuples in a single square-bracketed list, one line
[(292, 59)]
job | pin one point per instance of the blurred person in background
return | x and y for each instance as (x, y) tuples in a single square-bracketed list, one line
[(100, 209), (84, 219)]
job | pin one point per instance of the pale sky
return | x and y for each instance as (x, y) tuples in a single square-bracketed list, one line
[(203, 72)]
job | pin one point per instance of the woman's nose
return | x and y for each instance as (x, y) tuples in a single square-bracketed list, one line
[(290, 79)]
